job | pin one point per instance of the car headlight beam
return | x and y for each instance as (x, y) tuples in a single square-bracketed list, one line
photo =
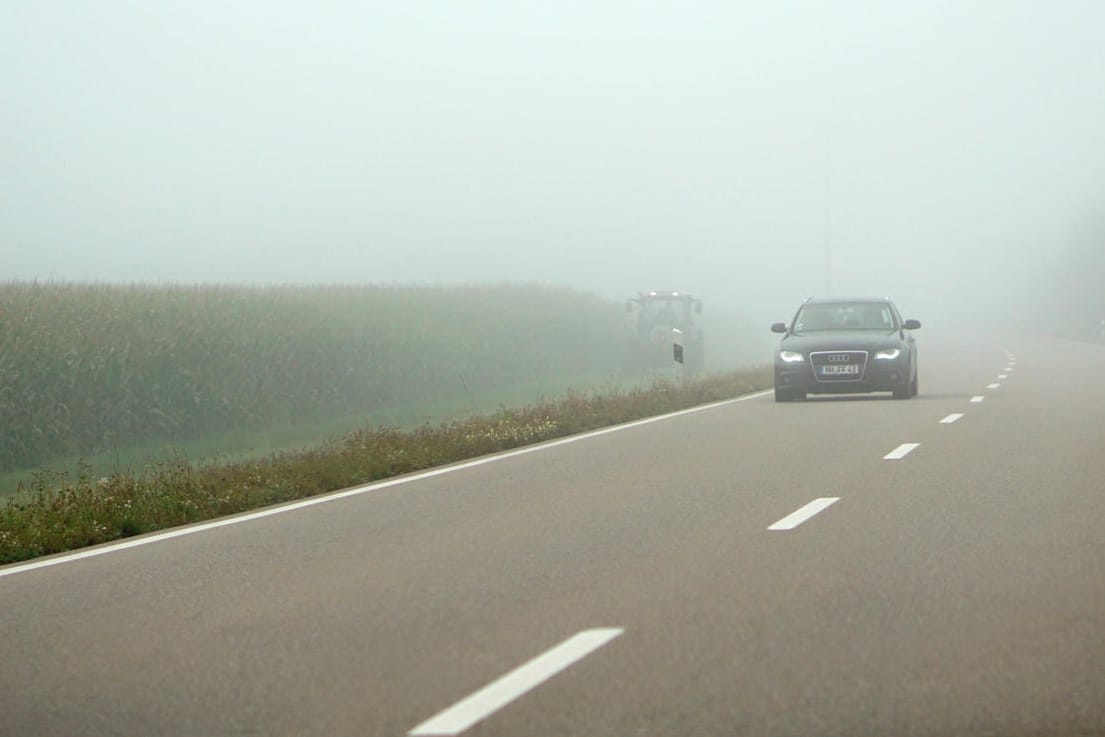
[(888, 355), (791, 357)]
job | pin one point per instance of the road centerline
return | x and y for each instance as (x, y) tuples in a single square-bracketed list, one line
[(993, 386), (516, 683), (953, 417), (799, 516), (901, 451), (977, 399)]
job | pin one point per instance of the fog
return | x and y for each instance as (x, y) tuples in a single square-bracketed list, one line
[(751, 153)]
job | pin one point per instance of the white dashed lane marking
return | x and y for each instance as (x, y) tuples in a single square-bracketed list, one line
[(993, 386), (496, 695), (951, 418), (901, 451), (796, 518), (978, 398)]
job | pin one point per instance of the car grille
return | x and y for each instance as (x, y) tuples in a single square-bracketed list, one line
[(834, 366)]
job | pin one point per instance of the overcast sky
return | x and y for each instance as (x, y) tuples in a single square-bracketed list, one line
[(612, 146)]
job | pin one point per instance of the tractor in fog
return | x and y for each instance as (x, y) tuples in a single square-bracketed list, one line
[(665, 335)]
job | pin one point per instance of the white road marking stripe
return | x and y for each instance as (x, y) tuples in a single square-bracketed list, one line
[(900, 452), (796, 518), (992, 386), (496, 695), (977, 398), (951, 418), (1003, 376), (354, 491)]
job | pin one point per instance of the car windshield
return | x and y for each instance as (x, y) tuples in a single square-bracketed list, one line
[(844, 316)]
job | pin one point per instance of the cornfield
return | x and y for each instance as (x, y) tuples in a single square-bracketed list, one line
[(88, 367)]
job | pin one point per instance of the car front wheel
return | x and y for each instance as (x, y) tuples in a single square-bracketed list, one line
[(788, 395)]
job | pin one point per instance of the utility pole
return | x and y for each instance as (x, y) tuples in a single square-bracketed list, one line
[(828, 222)]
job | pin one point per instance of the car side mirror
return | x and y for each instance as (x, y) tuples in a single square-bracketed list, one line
[(912, 325), (781, 327)]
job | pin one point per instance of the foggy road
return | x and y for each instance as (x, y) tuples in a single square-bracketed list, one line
[(841, 566)]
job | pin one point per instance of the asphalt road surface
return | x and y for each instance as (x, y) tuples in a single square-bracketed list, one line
[(842, 566)]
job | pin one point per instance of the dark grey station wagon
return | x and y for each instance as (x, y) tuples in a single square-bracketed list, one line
[(843, 346)]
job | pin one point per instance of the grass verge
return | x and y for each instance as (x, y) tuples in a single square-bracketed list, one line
[(233, 447), (58, 512)]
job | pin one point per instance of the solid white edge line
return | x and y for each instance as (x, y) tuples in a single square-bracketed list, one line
[(951, 418), (977, 398), (355, 491), (993, 386), (901, 451), (799, 516), (499, 693)]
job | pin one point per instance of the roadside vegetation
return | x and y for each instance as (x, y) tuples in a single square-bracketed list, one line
[(88, 369), (244, 443), (60, 511)]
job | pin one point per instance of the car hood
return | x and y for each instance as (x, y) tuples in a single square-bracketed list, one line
[(841, 340)]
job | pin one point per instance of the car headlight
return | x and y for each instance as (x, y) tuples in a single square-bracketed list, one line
[(888, 355), (791, 357)]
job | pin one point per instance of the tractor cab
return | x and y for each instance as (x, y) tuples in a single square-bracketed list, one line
[(659, 316)]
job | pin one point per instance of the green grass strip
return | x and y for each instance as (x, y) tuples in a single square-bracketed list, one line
[(56, 512)]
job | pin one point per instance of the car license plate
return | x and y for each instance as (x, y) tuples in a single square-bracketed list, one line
[(846, 369)]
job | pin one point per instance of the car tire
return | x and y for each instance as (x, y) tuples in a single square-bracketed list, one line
[(787, 395), (913, 387)]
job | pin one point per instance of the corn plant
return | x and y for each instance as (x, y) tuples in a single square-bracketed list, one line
[(85, 368)]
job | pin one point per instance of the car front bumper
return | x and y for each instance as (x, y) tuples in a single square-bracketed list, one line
[(877, 376)]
